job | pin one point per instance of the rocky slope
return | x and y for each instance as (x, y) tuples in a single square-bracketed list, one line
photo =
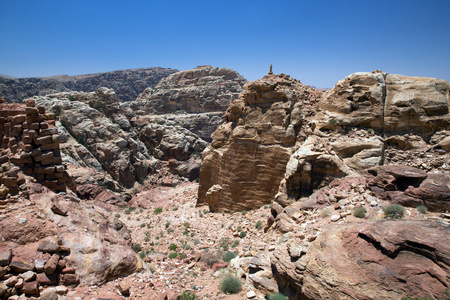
[(373, 140), (203, 89), (127, 84)]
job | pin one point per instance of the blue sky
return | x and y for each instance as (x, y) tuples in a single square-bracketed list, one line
[(318, 42)]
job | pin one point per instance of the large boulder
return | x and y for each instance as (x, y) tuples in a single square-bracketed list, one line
[(375, 260)]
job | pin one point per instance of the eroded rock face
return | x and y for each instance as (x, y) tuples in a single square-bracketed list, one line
[(377, 260), (388, 103), (115, 149), (246, 160), (411, 187), (203, 89)]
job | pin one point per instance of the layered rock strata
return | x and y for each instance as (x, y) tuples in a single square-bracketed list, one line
[(375, 260), (246, 160)]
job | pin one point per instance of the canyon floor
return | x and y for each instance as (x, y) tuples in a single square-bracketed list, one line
[(197, 233)]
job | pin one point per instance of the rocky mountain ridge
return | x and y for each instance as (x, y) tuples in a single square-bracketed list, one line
[(294, 184), (127, 84)]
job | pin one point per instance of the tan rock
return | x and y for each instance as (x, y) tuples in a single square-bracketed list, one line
[(249, 152)]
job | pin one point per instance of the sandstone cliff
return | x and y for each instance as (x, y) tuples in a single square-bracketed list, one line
[(247, 158), (203, 89), (128, 84)]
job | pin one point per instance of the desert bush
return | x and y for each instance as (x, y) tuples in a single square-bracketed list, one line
[(230, 285), (239, 229), (196, 242), (158, 210), (137, 247), (129, 210), (224, 243), (229, 255), (326, 212), (173, 255), (209, 258), (360, 212), (258, 225), (167, 224), (394, 211), (244, 212), (117, 215), (242, 234), (186, 225), (169, 230), (235, 244), (187, 295), (422, 209), (173, 247), (278, 296)]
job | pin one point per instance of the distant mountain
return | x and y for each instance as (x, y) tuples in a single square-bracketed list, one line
[(127, 84), (6, 76)]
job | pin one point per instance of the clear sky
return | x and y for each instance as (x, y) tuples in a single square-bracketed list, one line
[(318, 42)]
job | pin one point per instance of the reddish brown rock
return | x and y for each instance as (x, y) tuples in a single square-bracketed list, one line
[(30, 288), (245, 163), (18, 266), (377, 260), (46, 279), (218, 266), (410, 186), (51, 264)]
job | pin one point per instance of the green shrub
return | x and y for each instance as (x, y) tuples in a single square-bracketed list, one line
[(173, 255), (142, 225), (360, 212), (326, 212), (244, 212), (196, 242), (235, 244), (242, 234), (394, 211), (187, 295), (169, 230), (158, 210), (186, 232), (258, 225), (422, 209), (239, 229), (142, 254), (186, 225), (137, 247), (229, 255), (230, 285), (278, 296), (224, 243), (173, 247), (129, 210), (117, 215), (210, 258), (167, 224)]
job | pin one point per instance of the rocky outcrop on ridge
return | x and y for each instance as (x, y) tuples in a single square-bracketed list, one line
[(128, 84), (390, 104), (203, 89), (247, 158)]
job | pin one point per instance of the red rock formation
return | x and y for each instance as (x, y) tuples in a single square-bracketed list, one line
[(247, 158), (29, 141)]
